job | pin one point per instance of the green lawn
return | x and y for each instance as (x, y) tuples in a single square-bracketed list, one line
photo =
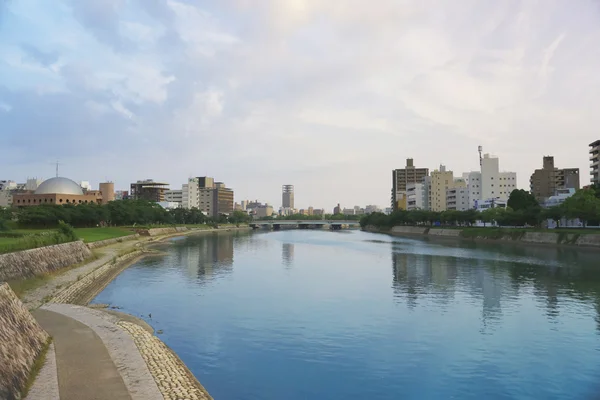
[(97, 234)]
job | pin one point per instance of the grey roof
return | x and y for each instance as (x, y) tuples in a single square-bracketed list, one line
[(60, 186)]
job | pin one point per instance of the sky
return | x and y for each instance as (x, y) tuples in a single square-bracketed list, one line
[(329, 96)]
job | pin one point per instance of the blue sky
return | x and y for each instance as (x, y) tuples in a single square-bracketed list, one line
[(328, 96)]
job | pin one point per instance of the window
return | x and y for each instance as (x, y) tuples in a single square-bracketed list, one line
[(60, 200)]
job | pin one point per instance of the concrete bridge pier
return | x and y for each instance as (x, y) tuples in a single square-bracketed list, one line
[(335, 227), (276, 227)]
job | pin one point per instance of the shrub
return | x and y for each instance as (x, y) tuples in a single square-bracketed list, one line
[(67, 231)]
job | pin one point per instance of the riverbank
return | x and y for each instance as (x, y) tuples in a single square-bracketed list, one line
[(64, 296), (571, 238)]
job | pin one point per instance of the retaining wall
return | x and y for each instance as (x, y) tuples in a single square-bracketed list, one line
[(102, 243), (411, 230), (21, 341), (588, 240), (445, 232), (162, 231), (28, 263)]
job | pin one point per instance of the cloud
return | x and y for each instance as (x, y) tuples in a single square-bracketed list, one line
[(35, 55), (318, 94)]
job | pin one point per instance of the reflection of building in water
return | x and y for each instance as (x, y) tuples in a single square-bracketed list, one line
[(208, 255), (416, 274), (287, 254)]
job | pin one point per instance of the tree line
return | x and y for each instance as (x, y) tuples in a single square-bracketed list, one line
[(115, 213), (522, 210)]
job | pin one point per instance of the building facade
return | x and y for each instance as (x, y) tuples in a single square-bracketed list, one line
[(457, 198), (287, 196), (56, 191), (546, 181), (108, 191), (595, 162), (416, 194), (489, 183), (400, 180), (148, 190), (441, 180), (174, 196)]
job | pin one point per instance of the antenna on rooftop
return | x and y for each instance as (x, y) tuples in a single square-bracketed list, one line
[(480, 148), (57, 164)]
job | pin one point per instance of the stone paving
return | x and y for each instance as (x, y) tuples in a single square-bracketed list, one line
[(172, 377)]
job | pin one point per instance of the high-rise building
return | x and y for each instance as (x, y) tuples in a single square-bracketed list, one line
[(489, 183), (210, 197), (148, 190), (595, 162), (401, 178), (287, 196), (546, 181), (416, 196), (441, 180)]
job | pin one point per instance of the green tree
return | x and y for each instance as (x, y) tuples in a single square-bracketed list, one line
[(555, 213), (583, 205)]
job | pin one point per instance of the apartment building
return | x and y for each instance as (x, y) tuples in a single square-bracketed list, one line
[(416, 196), (210, 197), (489, 182), (400, 180), (174, 196), (545, 182), (441, 180), (595, 162)]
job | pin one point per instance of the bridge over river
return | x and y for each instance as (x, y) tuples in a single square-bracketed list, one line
[(304, 224)]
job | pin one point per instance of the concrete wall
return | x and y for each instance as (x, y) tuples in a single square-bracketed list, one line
[(102, 243), (445, 232), (540, 237), (588, 240), (21, 341), (162, 231), (411, 230), (28, 263)]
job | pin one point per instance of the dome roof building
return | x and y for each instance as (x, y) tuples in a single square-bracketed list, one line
[(59, 186)]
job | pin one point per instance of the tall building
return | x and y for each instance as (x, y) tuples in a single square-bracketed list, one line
[(595, 162), (546, 181), (457, 198), (337, 209), (441, 180), (148, 190), (401, 178), (287, 196), (489, 183), (210, 197)]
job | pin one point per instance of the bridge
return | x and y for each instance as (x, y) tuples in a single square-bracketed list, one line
[(304, 224)]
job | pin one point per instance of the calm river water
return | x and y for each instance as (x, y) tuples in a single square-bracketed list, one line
[(353, 315)]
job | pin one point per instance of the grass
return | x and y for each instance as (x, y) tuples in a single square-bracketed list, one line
[(22, 286), (96, 234), (36, 368)]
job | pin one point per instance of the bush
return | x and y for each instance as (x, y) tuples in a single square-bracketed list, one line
[(67, 231)]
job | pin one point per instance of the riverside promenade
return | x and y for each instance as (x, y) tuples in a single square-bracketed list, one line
[(100, 354)]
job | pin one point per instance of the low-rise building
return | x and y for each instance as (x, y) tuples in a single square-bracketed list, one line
[(57, 191)]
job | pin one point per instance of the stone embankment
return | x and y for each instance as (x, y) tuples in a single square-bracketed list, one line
[(174, 380), (43, 260), (107, 242), (87, 287), (21, 342), (554, 238)]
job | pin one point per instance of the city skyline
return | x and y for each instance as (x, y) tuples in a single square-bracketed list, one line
[(311, 94)]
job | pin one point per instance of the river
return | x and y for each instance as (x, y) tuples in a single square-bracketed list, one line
[(304, 314)]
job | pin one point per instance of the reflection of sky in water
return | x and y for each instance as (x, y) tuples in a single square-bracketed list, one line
[(336, 315)]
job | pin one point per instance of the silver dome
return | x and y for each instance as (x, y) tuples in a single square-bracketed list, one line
[(60, 186)]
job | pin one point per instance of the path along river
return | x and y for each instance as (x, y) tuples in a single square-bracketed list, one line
[(352, 315)]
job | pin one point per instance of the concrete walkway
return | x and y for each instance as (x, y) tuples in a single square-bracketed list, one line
[(85, 369)]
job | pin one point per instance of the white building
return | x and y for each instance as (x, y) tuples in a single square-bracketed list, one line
[(489, 183), (85, 185), (174, 196), (457, 198), (371, 209), (169, 205), (416, 196)]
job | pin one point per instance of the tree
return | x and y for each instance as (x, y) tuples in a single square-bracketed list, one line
[(520, 199), (239, 217), (583, 205), (554, 213)]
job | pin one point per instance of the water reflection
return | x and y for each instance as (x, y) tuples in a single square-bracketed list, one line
[(205, 256), (563, 274), (287, 254)]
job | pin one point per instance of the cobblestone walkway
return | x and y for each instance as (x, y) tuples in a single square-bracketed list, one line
[(173, 378)]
